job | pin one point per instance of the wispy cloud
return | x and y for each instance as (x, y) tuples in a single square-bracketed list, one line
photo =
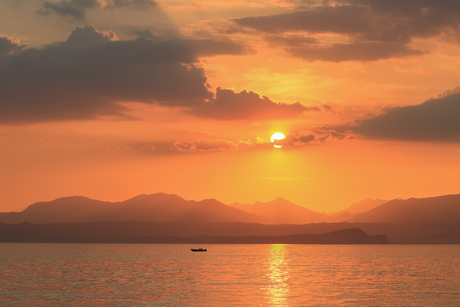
[(357, 30)]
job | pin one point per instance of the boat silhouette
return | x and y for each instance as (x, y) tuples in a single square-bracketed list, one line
[(198, 249)]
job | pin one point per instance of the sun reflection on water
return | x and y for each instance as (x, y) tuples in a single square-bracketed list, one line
[(278, 275)]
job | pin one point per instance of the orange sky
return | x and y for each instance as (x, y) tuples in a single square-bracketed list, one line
[(111, 99)]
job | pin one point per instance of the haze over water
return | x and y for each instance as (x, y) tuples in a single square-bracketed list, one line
[(230, 275)]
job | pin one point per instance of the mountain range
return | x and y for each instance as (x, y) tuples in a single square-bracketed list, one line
[(282, 211), (148, 218), (161, 207), (158, 207)]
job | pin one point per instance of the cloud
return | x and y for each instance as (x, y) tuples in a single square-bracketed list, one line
[(363, 30), (295, 140), (209, 47), (298, 139), (209, 145), (320, 19), (8, 45), (68, 8), (205, 47), (228, 105), (379, 20), (292, 140), (323, 134), (291, 40), (141, 4), (357, 51), (76, 9), (89, 36), (87, 75), (435, 120)]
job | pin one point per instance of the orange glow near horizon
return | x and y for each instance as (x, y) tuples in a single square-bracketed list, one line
[(113, 142)]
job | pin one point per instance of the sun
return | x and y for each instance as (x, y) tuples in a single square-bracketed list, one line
[(277, 136)]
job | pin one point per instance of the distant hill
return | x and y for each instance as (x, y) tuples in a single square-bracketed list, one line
[(432, 210), (61, 210), (282, 211), (150, 232), (163, 207), (359, 207), (364, 205), (158, 207)]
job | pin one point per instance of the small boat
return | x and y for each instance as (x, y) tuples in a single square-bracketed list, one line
[(198, 249)]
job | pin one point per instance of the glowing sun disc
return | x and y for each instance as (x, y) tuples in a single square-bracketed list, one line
[(277, 136)]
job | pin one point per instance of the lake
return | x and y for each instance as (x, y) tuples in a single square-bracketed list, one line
[(228, 275)]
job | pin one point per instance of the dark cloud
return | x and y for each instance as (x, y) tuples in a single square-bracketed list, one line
[(291, 40), (380, 20), (76, 9), (8, 45), (141, 4), (358, 51), (89, 36), (205, 47), (370, 25), (336, 19), (228, 105), (68, 8), (436, 120), (407, 7), (209, 47), (87, 75)]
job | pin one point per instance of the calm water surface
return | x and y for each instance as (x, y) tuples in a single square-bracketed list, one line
[(229, 275)]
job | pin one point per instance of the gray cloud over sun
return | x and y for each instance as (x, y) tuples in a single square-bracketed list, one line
[(365, 30), (92, 72)]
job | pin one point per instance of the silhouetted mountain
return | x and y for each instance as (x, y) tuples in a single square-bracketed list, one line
[(282, 211), (441, 209), (61, 210), (359, 207), (156, 207), (364, 205), (427, 219)]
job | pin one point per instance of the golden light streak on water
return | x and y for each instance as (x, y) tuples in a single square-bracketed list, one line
[(278, 275)]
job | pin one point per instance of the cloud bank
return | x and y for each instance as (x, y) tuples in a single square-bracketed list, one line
[(92, 72), (88, 74), (435, 120), (364, 30)]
